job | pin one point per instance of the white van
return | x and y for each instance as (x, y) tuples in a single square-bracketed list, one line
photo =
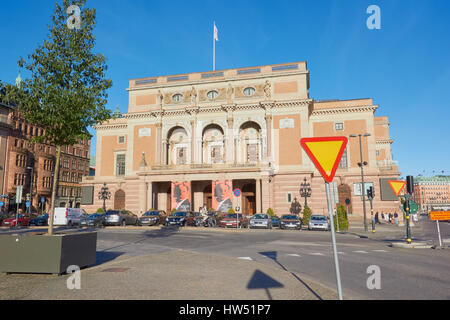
[(68, 216)]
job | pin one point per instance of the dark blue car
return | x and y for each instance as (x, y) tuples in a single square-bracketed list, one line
[(275, 221), (41, 220)]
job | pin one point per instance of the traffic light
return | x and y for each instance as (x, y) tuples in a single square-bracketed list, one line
[(370, 193), (410, 184)]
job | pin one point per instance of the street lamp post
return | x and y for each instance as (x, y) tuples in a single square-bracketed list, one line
[(305, 191), (31, 188), (104, 195), (361, 165)]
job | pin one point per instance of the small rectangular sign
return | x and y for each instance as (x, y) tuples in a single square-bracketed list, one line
[(439, 215), (19, 194)]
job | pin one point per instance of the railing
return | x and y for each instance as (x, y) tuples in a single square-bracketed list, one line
[(387, 164), (208, 166)]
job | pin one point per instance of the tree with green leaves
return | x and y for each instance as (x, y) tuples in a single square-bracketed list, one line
[(306, 216), (342, 218), (66, 92)]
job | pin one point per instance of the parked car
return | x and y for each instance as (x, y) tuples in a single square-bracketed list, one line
[(181, 218), (261, 220), (229, 221), (68, 216), (21, 220), (95, 220), (4, 216), (120, 218), (275, 221), (153, 218), (289, 221), (41, 220), (319, 222)]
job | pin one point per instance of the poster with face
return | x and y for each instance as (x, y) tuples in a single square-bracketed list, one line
[(222, 195), (181, 195)]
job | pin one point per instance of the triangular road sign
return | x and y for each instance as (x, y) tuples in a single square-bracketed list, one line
[(325, 153), (397, 186)]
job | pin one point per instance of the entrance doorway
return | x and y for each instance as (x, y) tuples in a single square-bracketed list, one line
[(249, 199), (207, 196)]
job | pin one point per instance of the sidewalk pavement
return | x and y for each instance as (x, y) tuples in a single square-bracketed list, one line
[(170, 275)]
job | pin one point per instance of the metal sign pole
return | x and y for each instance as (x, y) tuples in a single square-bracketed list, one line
[(439, 233), (333, 240)]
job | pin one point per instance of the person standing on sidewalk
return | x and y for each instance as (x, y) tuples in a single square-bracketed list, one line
[(377, 219), (390, 218), (382, 217), (396, 218)]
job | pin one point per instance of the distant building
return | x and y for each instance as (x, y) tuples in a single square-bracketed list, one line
[(432, 193), (74, 164)]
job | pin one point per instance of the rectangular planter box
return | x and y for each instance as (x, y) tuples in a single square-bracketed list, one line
[(47, 254)]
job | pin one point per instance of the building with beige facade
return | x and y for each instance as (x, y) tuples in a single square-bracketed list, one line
[(190, 139)]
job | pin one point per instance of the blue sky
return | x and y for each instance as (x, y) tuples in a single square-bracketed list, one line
[(404, 66)]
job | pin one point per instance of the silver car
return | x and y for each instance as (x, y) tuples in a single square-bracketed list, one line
[(260, 220), (319, 222)]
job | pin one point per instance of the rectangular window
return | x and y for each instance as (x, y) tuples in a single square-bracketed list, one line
[(344, 163), (339, 126), (377, 152), (121, 139), (289, 197), (120, 164), (216, 154), (181, 155), (252, 152)]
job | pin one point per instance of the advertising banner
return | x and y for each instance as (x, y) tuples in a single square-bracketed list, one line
[(222, 195), (181, 195)]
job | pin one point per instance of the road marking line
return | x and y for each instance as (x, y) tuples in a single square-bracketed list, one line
[(316, 254), (343, 253), (360, 251), (293, 255), (245, 258), (380, 250)]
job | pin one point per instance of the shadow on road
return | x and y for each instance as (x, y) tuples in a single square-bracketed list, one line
[(273, 255), (260, 280), (105, 256)]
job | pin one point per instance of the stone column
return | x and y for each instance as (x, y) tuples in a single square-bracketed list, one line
[(164, 151), (149, 195), (230, 143), (158, 144), (193, 128), (258, 196), (269, 135), (265, 190)]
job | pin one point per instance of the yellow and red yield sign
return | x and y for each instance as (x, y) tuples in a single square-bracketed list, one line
[(325, 153), (397, 186)]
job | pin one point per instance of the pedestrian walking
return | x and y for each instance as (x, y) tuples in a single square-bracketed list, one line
[(382, 217), (377, 219), (396, 218), (390, 218)]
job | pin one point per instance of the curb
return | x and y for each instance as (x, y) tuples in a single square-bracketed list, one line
[(413, 245)]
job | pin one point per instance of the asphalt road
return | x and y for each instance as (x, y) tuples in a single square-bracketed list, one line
[(405, 273)]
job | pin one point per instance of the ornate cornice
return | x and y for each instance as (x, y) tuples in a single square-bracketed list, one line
[(388, 141), (110, 126), (340, 110)]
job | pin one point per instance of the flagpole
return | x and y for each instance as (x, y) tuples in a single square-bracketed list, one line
[(214, 47)]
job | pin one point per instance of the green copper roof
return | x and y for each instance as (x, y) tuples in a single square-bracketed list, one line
[(439, 178)]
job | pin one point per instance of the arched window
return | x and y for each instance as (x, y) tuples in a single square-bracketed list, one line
[(212, 95), (178, 97), (249, 91)]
